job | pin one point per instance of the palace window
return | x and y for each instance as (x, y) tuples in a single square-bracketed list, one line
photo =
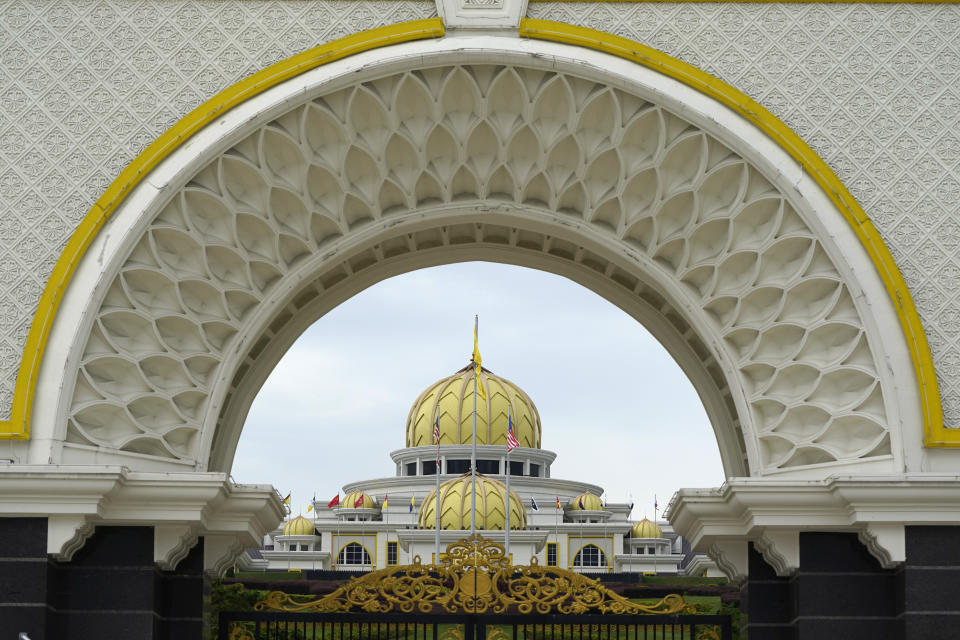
[(489, 467), (534, 470), (590, 556), (455, 467), (516, 468), (429, 467), (551, 554), (411, 468), (353, 553), (391, 552)]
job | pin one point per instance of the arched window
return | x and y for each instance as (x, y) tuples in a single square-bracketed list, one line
[(353, 553), (590, 556)]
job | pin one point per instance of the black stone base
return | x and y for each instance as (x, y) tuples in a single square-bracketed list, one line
[(111, 588), (841, 591)]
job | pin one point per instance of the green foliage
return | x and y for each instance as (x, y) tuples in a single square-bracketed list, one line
[(228, 597), (736, 618)]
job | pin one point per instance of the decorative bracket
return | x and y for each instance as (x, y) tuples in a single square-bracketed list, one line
[(172, 543), (781, 550), (731, 557), (885, 542), (66, 534)]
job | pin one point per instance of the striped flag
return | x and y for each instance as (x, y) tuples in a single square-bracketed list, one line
[(436, 437), (511, 439)]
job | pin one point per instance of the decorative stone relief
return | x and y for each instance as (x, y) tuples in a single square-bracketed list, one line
[(873, 88), (87, 85), (652, 184)]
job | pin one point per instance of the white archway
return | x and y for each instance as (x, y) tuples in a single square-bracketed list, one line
[(644, 190)]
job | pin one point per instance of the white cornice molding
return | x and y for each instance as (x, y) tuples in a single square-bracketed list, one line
[(180, 506), (771, 513)]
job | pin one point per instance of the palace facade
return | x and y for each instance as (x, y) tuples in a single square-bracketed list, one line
[(388, 521)]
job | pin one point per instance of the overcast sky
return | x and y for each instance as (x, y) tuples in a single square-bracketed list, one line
[(615, 407)]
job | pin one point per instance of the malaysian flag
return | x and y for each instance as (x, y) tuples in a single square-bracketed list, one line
[(436, 437), (511, 439)]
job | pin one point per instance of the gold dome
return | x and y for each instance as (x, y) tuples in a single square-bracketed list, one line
[(354, 497), (589, 501), (455, 505), (646, 529), (454, 395), (298, 526)]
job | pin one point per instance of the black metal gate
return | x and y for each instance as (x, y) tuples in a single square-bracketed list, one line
[(276, 625)]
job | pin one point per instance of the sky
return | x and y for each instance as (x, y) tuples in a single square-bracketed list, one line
[(614, 406)]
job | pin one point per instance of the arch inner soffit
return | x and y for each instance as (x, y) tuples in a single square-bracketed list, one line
[(664, 201)]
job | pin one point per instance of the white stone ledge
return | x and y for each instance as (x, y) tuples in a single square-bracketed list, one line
[(180, 506), (772, 513)]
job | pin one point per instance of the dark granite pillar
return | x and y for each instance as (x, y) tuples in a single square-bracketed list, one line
[(767, 600), (841, 591), (930, 583), (181, 604), (111, 587), (24, 578)]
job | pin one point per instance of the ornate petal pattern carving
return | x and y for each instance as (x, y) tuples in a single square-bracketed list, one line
[(639, 174)]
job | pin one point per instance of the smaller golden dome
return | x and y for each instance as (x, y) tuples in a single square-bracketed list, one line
[(455, 505), (298, 526), (586, 501), (646, 529), (358, 500)]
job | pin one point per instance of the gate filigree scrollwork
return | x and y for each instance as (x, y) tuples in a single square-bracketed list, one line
[(474, 576)]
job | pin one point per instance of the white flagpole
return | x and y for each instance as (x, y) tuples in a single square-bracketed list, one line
[(436, 496), (506, 546), (473, 453)]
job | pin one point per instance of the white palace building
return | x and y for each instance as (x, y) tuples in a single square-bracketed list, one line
[(389, 521)]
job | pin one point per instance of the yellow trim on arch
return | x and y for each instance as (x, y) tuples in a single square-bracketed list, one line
[(18, 426), (935, 434)]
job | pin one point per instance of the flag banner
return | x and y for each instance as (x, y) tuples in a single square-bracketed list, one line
[(655, 506), (358, 503), (287, 499), (335, 502), (309, 507), (580, 503), (411, 504), (558, 503), (533, 504), (477, 360), (436, 437), (385, 502), (511, 439)]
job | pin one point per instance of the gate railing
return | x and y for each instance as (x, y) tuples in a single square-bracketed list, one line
[(276, 625)]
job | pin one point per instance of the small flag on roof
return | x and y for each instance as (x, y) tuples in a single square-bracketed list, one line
[(533, 504), (558, 503), (335, 502)]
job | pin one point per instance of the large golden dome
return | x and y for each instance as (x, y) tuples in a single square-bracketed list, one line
[(455, 505), (453, 396), (298, 526)]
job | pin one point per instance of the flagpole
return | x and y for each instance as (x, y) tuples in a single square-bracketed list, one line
[(473, 453), (506, 546), (436, 495)]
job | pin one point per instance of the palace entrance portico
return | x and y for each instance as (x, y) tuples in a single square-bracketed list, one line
[(660, 188)]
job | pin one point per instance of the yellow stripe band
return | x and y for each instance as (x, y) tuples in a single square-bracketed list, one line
[(18, 426), (935, 434)]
